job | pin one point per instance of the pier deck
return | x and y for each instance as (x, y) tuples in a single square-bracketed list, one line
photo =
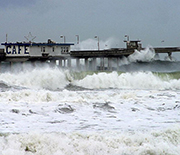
[(118, 52), (107, 59), (114, 52)]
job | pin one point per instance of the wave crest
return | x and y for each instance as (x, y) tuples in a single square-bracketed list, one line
[(46, 78), (135, 80)]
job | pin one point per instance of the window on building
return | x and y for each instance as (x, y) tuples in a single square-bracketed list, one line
[(44, 49), (64, 49), (53, 49)]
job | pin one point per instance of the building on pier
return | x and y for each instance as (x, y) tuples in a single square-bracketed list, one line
[(60, 54), (29, 51)]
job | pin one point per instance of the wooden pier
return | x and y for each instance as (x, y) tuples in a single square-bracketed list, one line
[(114, 55), (61, 55)]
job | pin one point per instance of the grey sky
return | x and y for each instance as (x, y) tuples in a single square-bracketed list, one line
[(149, 20)]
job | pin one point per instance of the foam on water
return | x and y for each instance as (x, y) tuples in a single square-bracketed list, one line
[(55, 79), (101, 143), (135, 80), (56, 111), (39, 115), (42, 78)]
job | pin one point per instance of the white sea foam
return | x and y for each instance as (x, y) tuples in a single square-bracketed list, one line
[(47, 78), (107, 143), (140, 117), (54, 79), (29, 110), (136, 80), (112, 121), (145, 55)]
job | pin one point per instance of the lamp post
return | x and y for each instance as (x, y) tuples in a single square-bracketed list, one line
[(64, 38), (127, 37), (98, 41), (6, 37), (77, 36)]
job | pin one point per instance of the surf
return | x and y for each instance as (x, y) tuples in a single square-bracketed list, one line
[(130, 80), (57, 79), (153, 142)]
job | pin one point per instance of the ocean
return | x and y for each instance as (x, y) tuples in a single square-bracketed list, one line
[(53, 111)]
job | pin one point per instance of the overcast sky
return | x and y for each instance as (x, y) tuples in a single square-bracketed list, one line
[(151, 21)]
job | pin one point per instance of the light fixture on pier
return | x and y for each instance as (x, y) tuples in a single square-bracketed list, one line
[(127, 37), (98, 42), (63, 38), (77, 36)]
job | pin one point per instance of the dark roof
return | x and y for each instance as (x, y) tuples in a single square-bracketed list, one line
[(37, 44)]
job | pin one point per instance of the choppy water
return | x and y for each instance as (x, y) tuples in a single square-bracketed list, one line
[(47, 111)]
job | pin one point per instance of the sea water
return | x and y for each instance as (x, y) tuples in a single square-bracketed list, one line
[(50, 111)]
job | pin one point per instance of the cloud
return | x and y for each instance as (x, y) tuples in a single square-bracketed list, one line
[(151, 20)]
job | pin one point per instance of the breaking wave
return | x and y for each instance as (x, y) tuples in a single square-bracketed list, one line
[(135, 80), (145, 55), (44, 78), (56, 79)]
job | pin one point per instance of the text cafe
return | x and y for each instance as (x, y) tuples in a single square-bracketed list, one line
[(16, 48)]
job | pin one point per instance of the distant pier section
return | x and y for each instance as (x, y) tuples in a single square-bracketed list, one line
[(60, 54)]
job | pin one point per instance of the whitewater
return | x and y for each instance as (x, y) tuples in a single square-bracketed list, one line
[(53, 111)]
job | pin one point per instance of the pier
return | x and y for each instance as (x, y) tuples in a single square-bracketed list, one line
[(61, 55)]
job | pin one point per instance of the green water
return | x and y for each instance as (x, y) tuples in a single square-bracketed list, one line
[(165, 75)]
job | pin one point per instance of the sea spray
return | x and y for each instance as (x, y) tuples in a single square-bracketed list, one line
[(38, 78), (57, 79), (145, 55), (91, 44)]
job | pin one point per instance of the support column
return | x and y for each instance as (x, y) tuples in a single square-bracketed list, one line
[(101, 63), (94, 64), (118, 60), (77, 63), (69, 62), (52, 63), (170, 55), (156, 56), (110, 64), (60, 62), (86, 64), (64, 62)]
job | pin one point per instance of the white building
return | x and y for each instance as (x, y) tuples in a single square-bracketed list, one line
[(23, 51)]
